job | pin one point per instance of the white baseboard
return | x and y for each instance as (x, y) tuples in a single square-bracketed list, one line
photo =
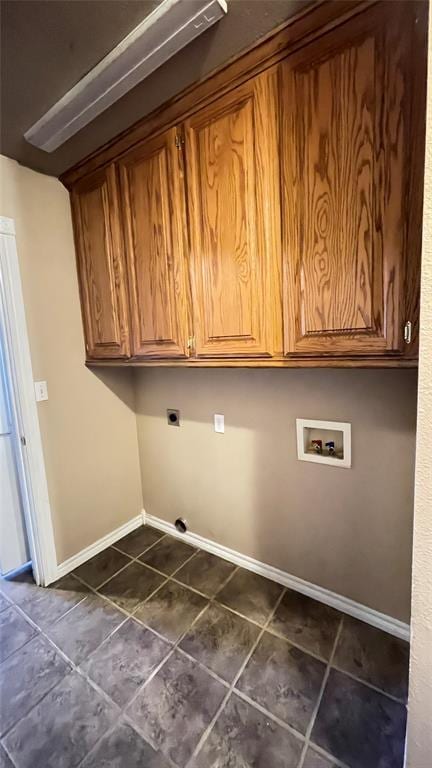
[(341, 603), (73, 562)]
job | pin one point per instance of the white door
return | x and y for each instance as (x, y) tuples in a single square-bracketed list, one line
[(13, 540)]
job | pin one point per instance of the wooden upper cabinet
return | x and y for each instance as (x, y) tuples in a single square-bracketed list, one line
[(100, 265), (233, 193), (279, 223), (154, 216), (344, 156)]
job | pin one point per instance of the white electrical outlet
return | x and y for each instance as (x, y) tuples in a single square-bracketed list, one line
[(219, 422), (41, 390)]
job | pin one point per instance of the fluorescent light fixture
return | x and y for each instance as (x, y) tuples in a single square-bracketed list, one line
[(171, 26)]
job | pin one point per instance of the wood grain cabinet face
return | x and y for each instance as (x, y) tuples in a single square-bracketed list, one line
[(344, 158), (100, 265), (154, 216), (233, 193)]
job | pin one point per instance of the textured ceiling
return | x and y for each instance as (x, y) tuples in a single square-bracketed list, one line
[(48, 45)]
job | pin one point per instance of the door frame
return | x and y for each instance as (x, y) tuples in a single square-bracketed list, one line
[(30, 459)]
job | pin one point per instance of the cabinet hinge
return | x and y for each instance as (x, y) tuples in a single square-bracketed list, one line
[(179, 141), (407, 332), (191, 342)]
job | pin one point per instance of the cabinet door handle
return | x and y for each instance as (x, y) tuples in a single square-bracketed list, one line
[(407, 332)]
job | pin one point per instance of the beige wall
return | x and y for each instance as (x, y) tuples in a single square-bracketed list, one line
[(419, 742), (348, 530), (88, 424)]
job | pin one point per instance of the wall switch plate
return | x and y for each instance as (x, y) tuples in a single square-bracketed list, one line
[(41, 390), (219, 422)]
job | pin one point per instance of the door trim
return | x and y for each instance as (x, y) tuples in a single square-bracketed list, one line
[(31, 465)]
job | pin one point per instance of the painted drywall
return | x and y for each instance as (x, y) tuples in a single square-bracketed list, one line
[(419, 738), (88, 425), (348, 530)]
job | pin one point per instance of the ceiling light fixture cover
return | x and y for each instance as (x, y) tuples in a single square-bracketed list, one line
[(171, 26)]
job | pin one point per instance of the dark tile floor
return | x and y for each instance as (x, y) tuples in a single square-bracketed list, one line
[(156, 655)]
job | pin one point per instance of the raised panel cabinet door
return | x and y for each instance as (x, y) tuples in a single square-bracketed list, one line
[(100, 265), (156, 237), (344, 152), (233, 193)]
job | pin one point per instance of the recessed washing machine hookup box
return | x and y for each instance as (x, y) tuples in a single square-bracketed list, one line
[(324, 442)]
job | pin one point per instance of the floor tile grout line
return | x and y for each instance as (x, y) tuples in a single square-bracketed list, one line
[(73, 667), (167, 577), (105, 640), (210, 598), (320, 695), (8, 599), (131, 558), (145, 550), (131, 614), (370, 685), (201, 664), (228, 578), (323, 753), (137, 560), (117, 573), (300, 647), (268, 714), (236, 678), (123, 714), (28, 617), (280, 636), (33, 637), (17, 650), (7, 752), (127, 719), (106, 599), (66, 612), (77, 668), (106, 733), (173, 648), (176, 570), (213, 598), (225, 683)]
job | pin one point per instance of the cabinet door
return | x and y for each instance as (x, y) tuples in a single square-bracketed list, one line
[(233, 194), (154, 209), (100, 265), (344, 155)]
